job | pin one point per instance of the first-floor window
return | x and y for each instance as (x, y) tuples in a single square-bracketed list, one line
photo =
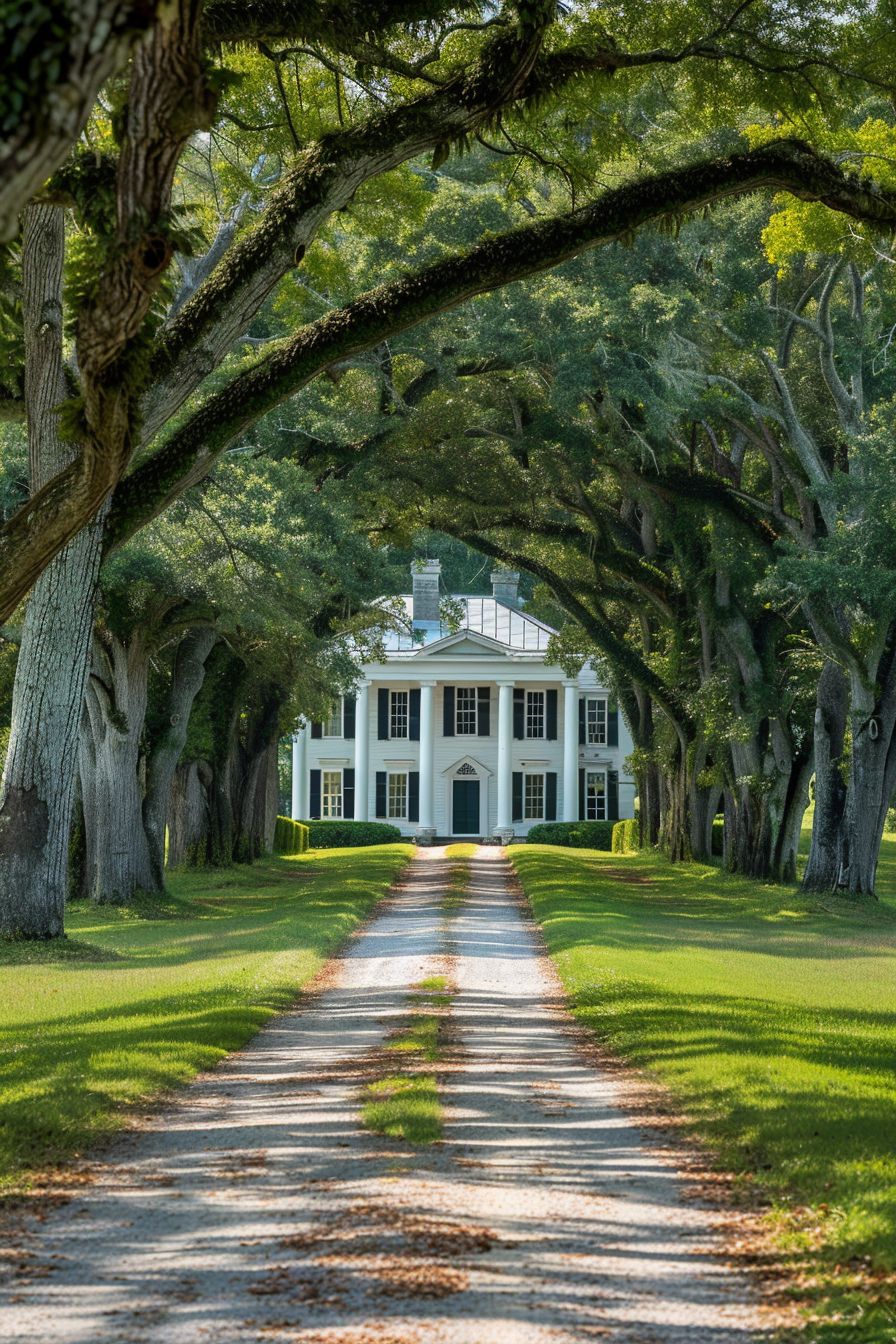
[(595, 795), (596, 721), (333, 725), (397, 799), (331, 793), (466, 700), (535, 713), (398, 713), (533, 797)]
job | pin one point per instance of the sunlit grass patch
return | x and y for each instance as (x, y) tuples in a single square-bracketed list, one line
[(138, 999), (405, 1107)]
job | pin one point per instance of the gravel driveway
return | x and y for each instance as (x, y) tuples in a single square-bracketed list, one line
[(258, 1208)]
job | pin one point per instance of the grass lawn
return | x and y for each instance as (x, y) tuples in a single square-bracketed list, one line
[(771, 1019), (136, 1000)]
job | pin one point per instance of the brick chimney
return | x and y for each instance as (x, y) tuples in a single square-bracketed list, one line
[(506, 586), (425, 576)]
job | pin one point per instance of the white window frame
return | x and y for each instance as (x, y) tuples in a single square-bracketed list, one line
[(534, 774), (326, 814), (589, 774), (338, 716), (530, 703), (396, 774), (393, 702), (468, 691), (597, 740)]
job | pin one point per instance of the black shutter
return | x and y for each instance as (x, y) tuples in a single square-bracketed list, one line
[(581, 795), (612, 726), (314, 795), (516, 795), (381, 808), (382, 714), (348, 716), (317, 730), (413, 795), (519, 713), (414, 714), (581, 722), (550, 796), (448, 712), (484, 705), (612, 795), (348, 793), (550, 716)]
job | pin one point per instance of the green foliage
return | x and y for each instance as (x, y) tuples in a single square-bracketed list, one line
[(345, 834), (626, 836), (573, 834), (139, 999), (769, 1017), (290, 837)]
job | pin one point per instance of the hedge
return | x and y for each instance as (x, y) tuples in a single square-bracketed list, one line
[(718, 835), (573, 834), (347, 834), (290, 837), (626, 836)]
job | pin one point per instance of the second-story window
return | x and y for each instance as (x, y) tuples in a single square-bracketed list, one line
[(333, 725), (596, 721), (535, 713), (398, 713), (466, 700)]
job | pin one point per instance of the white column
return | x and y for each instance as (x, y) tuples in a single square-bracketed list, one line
[(299, 803), (570, 751), (362, 752), (427, 724), (505, 743)]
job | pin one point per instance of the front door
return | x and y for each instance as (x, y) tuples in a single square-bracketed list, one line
[(465, 807)]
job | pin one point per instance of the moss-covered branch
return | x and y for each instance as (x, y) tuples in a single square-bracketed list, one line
[(191, 451)]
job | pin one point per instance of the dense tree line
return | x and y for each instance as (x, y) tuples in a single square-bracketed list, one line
[(195, 218)]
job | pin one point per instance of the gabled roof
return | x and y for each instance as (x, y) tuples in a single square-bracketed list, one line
[(455, 644), (502, 628)]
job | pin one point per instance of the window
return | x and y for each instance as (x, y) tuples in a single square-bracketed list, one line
[(533, 797), (596, 721), (331, 794), (333, 725), (466, 700), (535, 713), (595, 795), (397, 797), (398, 713)]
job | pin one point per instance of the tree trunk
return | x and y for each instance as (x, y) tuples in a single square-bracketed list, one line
[(675, 831), (188, 815), (825, 853), (186, 682), (112, 795), (40, 772)]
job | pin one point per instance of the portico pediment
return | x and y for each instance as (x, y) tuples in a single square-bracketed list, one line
[(465, 642), (468, 765)]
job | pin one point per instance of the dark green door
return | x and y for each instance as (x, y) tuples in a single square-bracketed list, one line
[(465, 812)]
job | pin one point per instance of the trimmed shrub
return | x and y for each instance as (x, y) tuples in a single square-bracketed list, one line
[(627, 836), (347, 834), (574, 834), (290, 837)]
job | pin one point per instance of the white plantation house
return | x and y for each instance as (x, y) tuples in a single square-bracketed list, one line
[(468, 733)]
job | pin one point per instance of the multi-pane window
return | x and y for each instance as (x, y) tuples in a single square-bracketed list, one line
[(466, 700), (397, 799), (398, 713), (535, 713), (595, 795), (596, 721), (331, 793), (333, 725), (533, 797)]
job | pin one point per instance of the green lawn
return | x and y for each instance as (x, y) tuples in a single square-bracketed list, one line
[(137, 1000), (771, 1019)]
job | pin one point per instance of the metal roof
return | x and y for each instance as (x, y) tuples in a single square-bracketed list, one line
[(508, 626)]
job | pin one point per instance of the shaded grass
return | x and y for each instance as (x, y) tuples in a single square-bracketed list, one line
[(770, 1016), (139, 999)]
